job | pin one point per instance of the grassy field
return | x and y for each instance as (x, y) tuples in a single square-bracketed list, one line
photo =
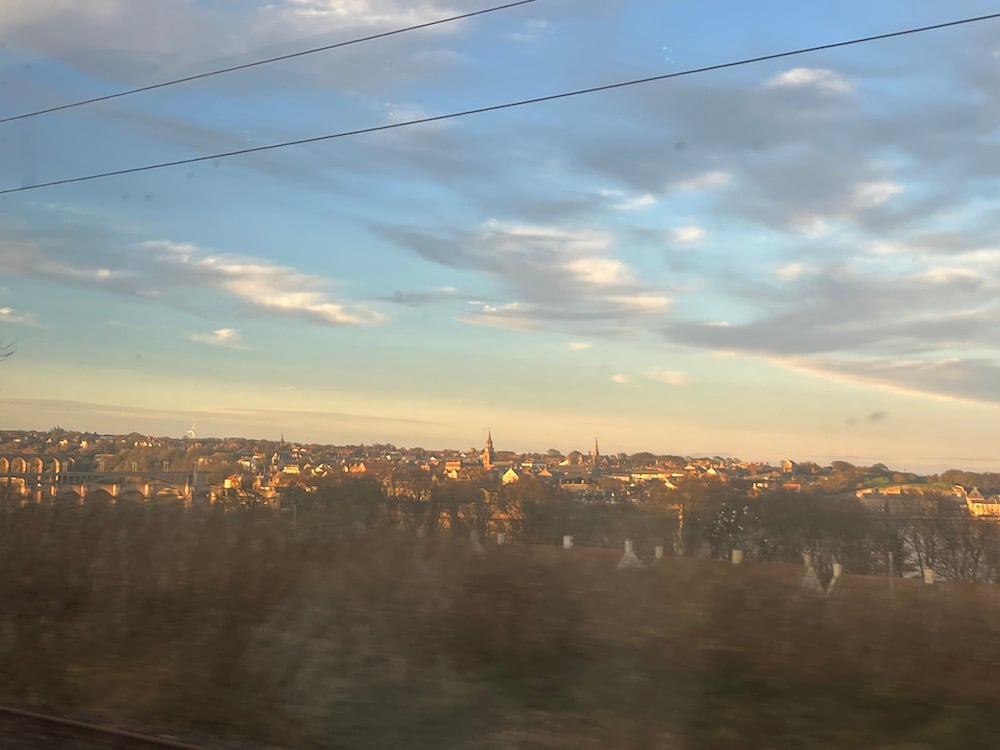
[(243, 627)]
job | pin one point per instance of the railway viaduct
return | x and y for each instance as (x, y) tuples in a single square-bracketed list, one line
[(47, 478)]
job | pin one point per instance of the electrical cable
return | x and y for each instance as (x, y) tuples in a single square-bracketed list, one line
[(266, 61), (497, 107)]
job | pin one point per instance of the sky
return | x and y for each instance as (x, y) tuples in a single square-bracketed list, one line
[(796, 258)]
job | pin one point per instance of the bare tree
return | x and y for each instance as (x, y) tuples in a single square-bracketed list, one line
[(964, 549), (6, 349), (923, 541)]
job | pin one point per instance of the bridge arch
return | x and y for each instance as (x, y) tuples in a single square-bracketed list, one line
[(44, 463)]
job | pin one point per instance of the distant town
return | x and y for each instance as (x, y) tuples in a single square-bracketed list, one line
[(63, 463)]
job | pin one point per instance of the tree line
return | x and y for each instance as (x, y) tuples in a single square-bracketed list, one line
[(699, 518)]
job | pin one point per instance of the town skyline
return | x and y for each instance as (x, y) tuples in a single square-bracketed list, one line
[(794, 257), (471, 446)]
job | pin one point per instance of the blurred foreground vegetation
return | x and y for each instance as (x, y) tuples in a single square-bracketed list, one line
[(320, 633)]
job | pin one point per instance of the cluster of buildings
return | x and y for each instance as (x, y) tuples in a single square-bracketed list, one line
[(978, 504), (589, 476), (241, 467), (958, 499)]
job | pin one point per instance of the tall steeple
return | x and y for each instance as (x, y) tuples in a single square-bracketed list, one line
[(488, 455), (595, 455)]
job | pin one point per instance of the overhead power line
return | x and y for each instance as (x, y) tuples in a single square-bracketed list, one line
[(266, 61), (497, 107)]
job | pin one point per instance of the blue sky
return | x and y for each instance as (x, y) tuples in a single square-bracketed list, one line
[(795, 258)]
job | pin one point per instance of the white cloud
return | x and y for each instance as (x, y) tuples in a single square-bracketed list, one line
[(403, 113), (513, 237), (872, 194), (180, 272), (264, 286), (622, 201), (227, 337), (29, 13), (640, 201), (823, 79), (645, 303), (945, 378), (27, 259), (669, 377), (810, 225), (599, 271), (140, 41), (514, 316), (517, 321), (888, 247), (339, 13), (688, 235), (579, 346), (566, 277), (508, 307), (620, 378), (395, 113), (10, 315), (790, 271), (945, 275), (102, 36), (704, 181)]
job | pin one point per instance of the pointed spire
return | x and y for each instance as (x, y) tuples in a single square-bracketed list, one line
[(488, 454)]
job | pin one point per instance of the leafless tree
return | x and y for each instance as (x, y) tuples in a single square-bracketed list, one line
[(965, 548), (923, 541)]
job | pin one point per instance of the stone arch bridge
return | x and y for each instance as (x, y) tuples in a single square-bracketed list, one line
[(46, 478)]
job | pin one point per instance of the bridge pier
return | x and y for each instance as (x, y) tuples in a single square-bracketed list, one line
[(31, 487)]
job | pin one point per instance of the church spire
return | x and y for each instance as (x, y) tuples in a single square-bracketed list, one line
[(595, 454), (488, 454)]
